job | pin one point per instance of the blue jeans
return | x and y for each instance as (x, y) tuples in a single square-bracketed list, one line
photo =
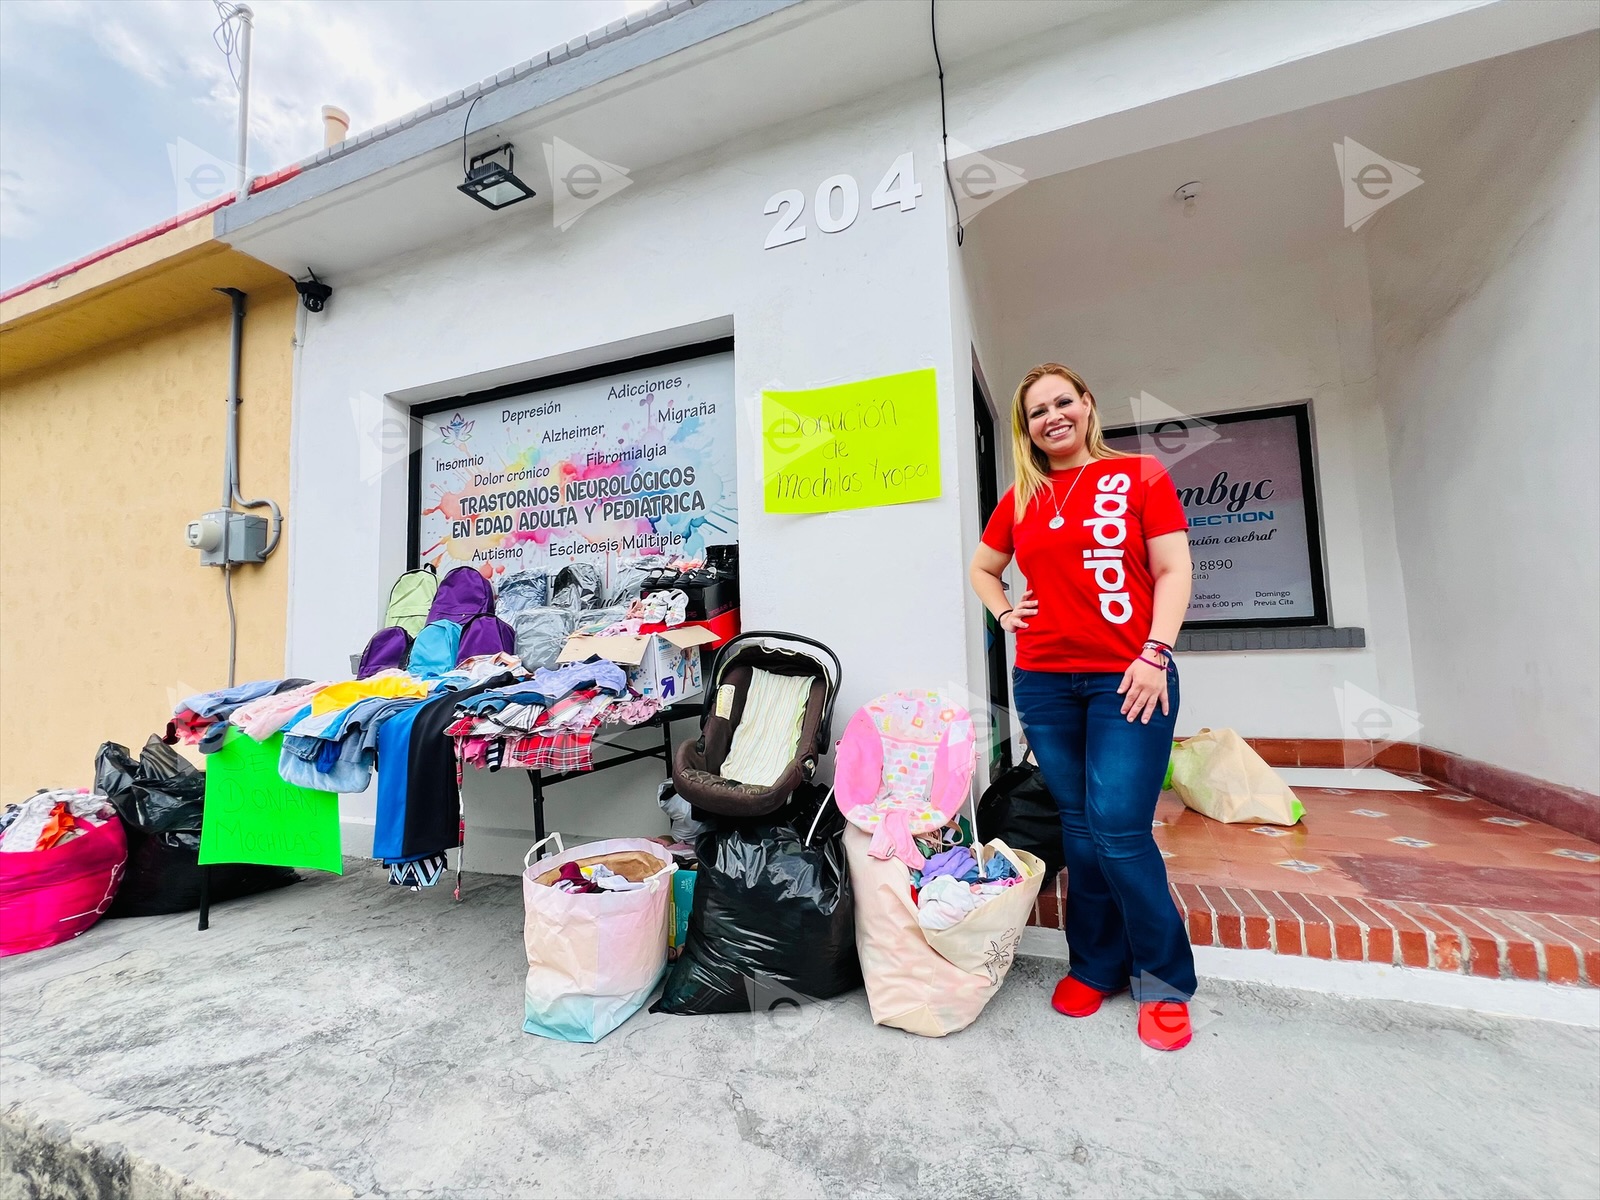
[(1105, 774)]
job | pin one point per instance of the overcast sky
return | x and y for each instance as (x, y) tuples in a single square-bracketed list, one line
[(98, 97)]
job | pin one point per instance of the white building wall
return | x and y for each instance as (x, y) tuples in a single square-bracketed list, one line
[(681, 247), (1142, 75), (677, 256), (1489, 376)]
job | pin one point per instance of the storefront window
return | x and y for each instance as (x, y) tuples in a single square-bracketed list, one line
[(1249, 489), (591, 467)]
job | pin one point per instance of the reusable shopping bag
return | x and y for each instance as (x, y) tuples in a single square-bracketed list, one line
[(911, 985), (594, 958), (48, 896), (985, 940), (1217, 774)]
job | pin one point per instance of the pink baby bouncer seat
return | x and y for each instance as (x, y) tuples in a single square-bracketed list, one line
[(903, 768)]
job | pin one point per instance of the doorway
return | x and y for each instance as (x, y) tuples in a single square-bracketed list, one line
[(994, 642)]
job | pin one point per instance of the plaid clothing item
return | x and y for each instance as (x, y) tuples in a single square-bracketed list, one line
[(564, 750), (561, 740)]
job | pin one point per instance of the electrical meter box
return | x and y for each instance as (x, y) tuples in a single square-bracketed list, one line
[(223, 536)]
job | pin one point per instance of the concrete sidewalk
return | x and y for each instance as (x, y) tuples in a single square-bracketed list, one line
[(345, 1037)]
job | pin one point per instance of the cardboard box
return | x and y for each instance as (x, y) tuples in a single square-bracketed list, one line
[(663, 666)]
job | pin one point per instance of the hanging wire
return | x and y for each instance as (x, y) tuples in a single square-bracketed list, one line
[(233, 617), (465, 121), (944, 125), (226, 36)]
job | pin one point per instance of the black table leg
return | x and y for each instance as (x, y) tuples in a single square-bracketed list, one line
[(535, 779), (205, 897)]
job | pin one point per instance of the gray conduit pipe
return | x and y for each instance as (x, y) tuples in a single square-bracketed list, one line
[(230, 472), (231, 494)]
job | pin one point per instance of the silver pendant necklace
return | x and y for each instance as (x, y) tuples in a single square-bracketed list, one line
[(1057, 521)]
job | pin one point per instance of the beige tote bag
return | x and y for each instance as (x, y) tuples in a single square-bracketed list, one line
[(925, 982), (1217, 774)]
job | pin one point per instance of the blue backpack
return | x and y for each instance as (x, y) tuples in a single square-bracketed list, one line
[(435, 650)]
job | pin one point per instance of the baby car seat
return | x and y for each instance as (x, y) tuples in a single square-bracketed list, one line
[(784, 659)]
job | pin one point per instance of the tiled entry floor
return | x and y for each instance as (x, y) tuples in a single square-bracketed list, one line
[(1429, 878)]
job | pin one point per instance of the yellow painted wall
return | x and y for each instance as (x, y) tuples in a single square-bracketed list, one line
[(105, 613)]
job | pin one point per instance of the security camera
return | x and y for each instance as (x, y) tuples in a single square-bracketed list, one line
[(313, 292)]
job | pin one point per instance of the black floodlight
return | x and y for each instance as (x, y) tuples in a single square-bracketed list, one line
[(493, 184)]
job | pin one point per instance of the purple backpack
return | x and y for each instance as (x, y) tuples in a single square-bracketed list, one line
[(389, 647), (463, 594), (485, 634)]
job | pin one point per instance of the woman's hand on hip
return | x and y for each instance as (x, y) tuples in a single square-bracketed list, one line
[(1017, 618), (1143, 687)]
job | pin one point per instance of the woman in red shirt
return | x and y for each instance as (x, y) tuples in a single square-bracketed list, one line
[(1102, 540)]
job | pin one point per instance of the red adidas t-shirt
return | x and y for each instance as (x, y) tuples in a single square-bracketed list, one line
[(1091, 575)]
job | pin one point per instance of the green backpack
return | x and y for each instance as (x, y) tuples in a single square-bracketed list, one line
[(409, 600)]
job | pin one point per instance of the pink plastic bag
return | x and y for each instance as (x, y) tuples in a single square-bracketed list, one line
[(48, 896)]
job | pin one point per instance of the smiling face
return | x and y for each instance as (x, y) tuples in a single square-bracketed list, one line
[(1058, 418)]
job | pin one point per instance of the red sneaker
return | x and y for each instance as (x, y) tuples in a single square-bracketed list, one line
[(1075, 999), (1164, 1024)]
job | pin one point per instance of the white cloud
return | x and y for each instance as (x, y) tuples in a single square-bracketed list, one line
[(18, 217), (379, 60), (116, 82)]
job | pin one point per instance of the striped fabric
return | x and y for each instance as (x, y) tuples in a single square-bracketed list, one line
[(769, 731)]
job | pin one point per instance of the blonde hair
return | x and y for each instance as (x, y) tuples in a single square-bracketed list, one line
[(1030, 464)]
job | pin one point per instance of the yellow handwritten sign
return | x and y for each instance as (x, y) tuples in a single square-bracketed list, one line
[(856, 445)]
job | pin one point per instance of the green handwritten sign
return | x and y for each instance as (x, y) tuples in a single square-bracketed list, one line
[(253, 816), (855, 445)]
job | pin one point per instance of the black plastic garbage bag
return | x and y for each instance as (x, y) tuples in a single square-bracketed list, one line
[(1019, 810), (160, 797), (157, 792), (773, 920)]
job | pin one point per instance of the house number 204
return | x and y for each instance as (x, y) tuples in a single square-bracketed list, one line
[(838, 202)]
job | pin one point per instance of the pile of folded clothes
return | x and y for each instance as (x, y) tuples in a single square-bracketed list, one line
[(548, 721)]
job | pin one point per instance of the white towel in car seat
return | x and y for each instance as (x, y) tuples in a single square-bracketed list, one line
[(769, 729)]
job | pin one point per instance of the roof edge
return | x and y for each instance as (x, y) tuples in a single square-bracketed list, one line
[(665, 29), (259, 184)]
